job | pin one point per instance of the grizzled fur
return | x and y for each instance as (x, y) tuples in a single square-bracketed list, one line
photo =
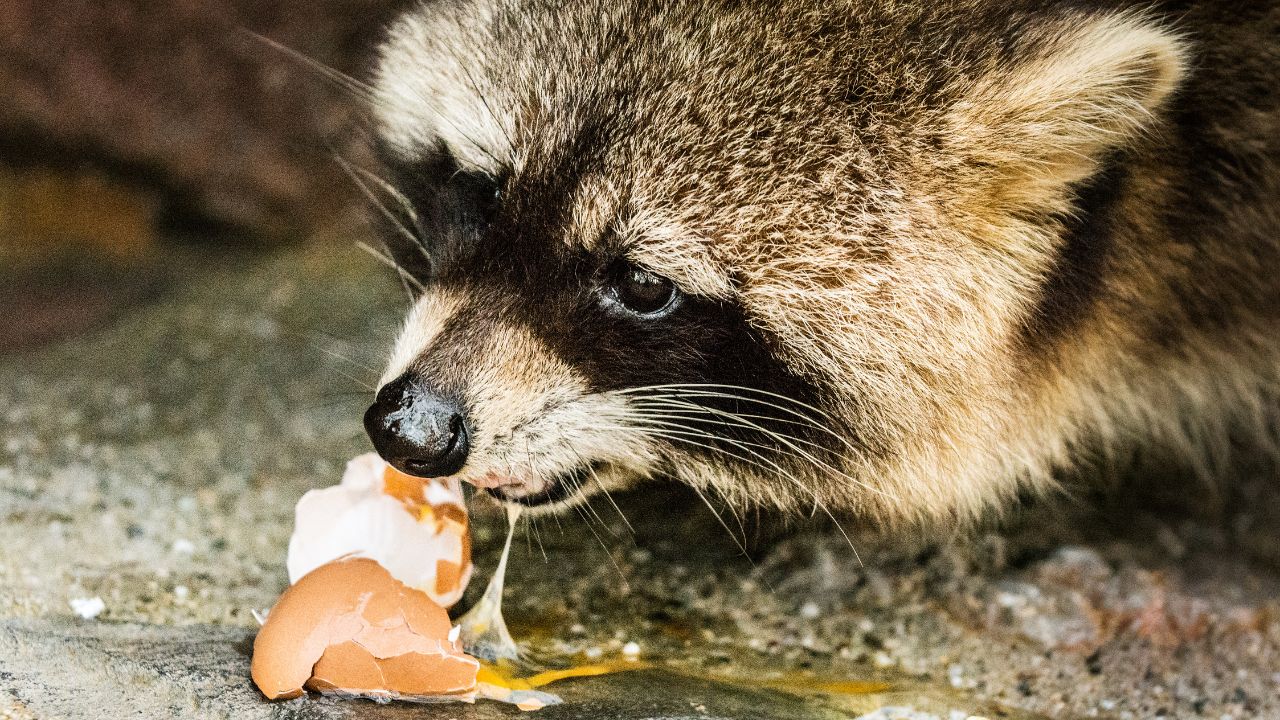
[(931, 252)]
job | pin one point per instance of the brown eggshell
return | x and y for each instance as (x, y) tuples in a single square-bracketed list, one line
[(358, 631), (300, 625), (345, 666), (426, 674), (357, 668)]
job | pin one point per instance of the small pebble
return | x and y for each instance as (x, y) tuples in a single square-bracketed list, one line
[(88, 608), (631, 650), (181, 592), (183, 546)]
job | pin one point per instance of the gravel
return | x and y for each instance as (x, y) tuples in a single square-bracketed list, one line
[(153, 467)]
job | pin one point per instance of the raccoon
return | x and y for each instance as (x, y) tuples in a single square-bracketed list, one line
[(898, 261)]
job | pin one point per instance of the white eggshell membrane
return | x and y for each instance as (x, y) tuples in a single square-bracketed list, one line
[(421, 541)]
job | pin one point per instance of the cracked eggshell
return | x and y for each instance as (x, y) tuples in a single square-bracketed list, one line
[(416, 528), (350, 628)]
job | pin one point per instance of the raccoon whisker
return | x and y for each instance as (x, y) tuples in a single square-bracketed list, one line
[(708, 387), (675, 436), (626, 586), (703, 390), (405, 277), (685, 437), (717, 390), (339, 356), (720, 518), (788, 440), (681, 409), (731, 505), (745, 445), (586, 520), (359, 90), (396, 222), (609, 496), (366, 386), (330, 401), (577, 487), (686, 397), (341, 395), (341, 342), (658, 432), (399, 197), (586, 502), (315, 337), (770, 465), (742, 544), (670, 401), (531, 528), (362, 383), (674, 412)]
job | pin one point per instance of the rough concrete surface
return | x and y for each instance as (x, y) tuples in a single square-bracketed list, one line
[(155, 465)]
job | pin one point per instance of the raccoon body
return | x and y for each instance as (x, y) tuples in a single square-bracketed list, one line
[(898, 260)]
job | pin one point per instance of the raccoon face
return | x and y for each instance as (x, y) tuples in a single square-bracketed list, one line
[(788, 254), (545, 369)]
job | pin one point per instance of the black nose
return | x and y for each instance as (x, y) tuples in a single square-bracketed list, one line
[(416, 430)]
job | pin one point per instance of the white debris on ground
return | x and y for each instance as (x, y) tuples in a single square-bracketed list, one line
[(87, 608)]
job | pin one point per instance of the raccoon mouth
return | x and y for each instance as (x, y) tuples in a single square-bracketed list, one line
[(558, 489)]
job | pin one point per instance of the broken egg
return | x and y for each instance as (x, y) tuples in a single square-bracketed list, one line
[(374, 561), (414, 527), (350, 628)]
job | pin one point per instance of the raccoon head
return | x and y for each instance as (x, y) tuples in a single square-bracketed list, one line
[(784, 252)]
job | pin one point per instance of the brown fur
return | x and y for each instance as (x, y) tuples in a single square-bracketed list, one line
[(1001, 238)]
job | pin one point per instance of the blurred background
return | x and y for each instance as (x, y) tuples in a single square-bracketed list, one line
[(134, 132)]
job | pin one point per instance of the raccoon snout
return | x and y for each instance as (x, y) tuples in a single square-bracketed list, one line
[(417, 430)]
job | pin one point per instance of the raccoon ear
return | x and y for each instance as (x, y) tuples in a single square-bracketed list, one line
[(1031, 132)]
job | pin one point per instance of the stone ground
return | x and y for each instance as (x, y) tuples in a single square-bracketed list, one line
[(154, 462)]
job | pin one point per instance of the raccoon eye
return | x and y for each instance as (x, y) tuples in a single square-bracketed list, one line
[(641, 292)]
